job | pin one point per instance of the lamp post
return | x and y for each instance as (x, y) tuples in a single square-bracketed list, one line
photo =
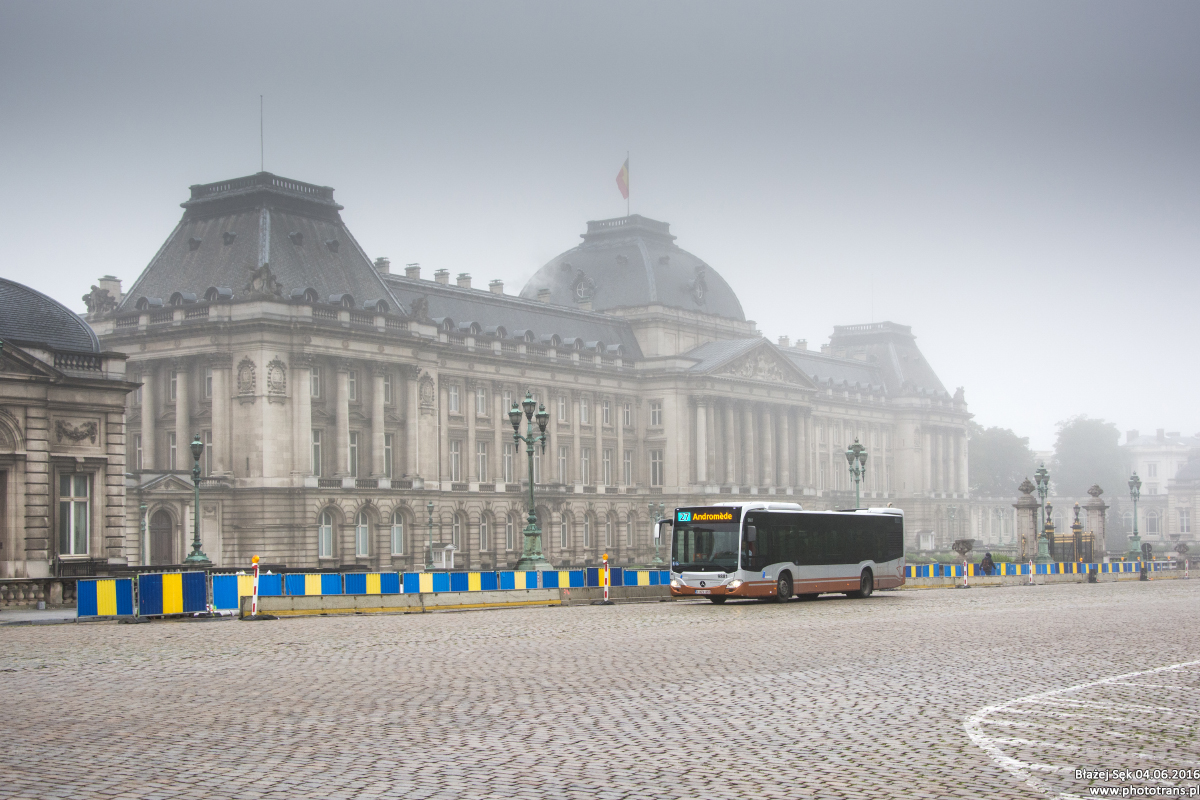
[(856, 458), (951, 510), (655, 521), (1135, 541), (429, 559), (197, 556), (1042, 477), (531, 553)]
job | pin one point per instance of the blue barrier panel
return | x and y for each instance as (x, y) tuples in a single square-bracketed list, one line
[(654, 577), (593, 576), (617, 576), (441, 581), (531, 579), (459, 582), (487, 582), (150, 595), (576, 579), (225, 591), (104, 597), (507, 581), (356, 582), (389, 583), (331, 584), (294, 584), (195, 592), (549, 580), (412, 582), (664, 577), (270, 585)]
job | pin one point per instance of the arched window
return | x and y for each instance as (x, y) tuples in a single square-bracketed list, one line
[(629, 532), (587, 531), (456, 531), (483, 533), (325, 535), (1127, 520), (1152, 523), (510, 532), (608, 542), (397, 533), (362, 535), (564, 534)]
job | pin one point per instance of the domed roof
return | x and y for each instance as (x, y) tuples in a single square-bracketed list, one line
[(29, 317), (629, 262)]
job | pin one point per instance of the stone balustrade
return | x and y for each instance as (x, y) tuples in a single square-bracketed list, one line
[(18, 592)]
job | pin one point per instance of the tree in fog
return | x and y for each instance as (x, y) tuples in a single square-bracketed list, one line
[(1088, 451), (997, 460)]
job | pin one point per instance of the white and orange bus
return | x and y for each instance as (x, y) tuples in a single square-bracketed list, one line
[(779, 550)]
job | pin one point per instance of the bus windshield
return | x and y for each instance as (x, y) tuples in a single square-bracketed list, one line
[(705, 547)]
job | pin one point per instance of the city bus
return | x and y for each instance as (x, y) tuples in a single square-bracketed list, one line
[(777, 550)]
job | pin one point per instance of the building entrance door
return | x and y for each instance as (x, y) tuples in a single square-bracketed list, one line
[(161, 529)]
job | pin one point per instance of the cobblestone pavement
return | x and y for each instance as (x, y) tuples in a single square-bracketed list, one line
[(906, 694)]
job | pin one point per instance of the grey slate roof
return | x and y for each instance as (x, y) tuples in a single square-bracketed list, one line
[(711, 355), (893, 350), (514, 313), (822, 368), (631, 262), (225, 235), (29, 317)]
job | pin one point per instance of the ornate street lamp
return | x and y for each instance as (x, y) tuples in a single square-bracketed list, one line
[(655, 521), (531, 554), (429, 559), (197, 556), (1135, 541), (1042, 476), (856, 458)]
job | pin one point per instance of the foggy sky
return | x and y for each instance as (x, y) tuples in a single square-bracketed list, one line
[(1017, 181)]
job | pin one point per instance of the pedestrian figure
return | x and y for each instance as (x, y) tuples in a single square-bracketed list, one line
[(987, 565)]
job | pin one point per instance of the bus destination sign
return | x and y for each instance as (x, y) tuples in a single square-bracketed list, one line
[(708, 515)]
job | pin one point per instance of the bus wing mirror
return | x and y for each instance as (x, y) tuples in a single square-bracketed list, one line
[(751, 533)]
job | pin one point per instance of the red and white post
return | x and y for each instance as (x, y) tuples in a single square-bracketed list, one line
[(254, 589), (607, 578), (966, 570), (1030, 573)]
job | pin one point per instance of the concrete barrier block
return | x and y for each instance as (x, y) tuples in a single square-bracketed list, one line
[(369, 601)]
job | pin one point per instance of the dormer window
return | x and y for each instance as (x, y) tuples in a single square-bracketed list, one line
[(193, 243), (333, 245), (297, 237), (229, 236)]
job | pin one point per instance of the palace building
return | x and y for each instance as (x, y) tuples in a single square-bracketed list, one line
[(337, 399)]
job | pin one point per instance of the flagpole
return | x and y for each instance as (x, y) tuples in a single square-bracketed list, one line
[(628, 191)]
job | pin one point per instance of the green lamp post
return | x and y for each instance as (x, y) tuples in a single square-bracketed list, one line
[(1135, 541), (531, 553), (856, 458), (197, 556), (1042, 477)]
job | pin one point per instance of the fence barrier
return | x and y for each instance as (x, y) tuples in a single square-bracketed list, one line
[(165, 593), (1008, 568), (104, 597)]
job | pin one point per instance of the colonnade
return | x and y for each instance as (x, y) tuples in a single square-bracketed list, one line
[(749, 443)]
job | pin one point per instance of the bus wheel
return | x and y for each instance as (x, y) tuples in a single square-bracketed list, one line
[(866, 585), (718, 600), (783, 589)]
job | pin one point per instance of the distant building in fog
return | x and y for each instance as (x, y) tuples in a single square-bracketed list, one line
[(335, 398)]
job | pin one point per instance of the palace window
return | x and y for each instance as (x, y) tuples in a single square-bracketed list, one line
[(657, 473), (605, 413), (1152, 523), (584, 412), (354, 453), (456, 531), (587, 531), (507, 400), (564, 534), (562, 408), (608, 532), (562, 463), (173, 388), (537, 466), (208, 389), (316, 453), (387, 388), (207, 438), (1152, 469), (362, 535), (137, 394), (483, 533), (627, 415), (509, 454), (172, 452), (481, 408), (353, 381), (389, 446), (1185, 520), (325, 536), (656, 415), (585, 465), (397, 533), (456, 460), (606, 466), (510, 532), (481, 457), (74, 513), (452, 398), (137, 443), (629, 532), (314, 382), (627, 467)]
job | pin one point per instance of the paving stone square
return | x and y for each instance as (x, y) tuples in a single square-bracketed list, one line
[(986, 692)]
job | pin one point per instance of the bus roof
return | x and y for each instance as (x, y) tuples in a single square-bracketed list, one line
[(768, 506)]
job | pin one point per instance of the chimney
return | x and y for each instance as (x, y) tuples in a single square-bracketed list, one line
[(412, 271), (464, 280), (382, 265), (496, 287), (1130, 436), (112, 284), (802, 344), (543, 295), (785, 341), (442, 276), (1161, 434)]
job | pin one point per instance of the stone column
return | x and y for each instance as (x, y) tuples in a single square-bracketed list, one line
[(342, 439), (221, 431), (730, 450), (927, 463), (412, 415), (768, 446), (1027, 521), (1095, 522), (712, 462), (963, 477), (183, 422), (149, 415), (785, 447), (302, 465), (469, 411), (701, 442), (749, 470), (377, 421)]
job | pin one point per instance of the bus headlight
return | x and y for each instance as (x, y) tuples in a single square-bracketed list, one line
[(733, 584), (675, 582)]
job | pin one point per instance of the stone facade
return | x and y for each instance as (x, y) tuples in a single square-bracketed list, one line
[(336, 399)]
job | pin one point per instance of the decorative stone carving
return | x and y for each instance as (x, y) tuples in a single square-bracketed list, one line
[(420, 308), (428, 392), (698, 286), (246, 379), (760, 366), (99, 301), (1026, 487), (262, 282), (1095, 491), (75, 433), (276, 381), (583, 287)]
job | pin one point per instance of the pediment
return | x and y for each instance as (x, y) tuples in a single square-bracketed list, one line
[(168, 483), (15, 361), (763, 363)]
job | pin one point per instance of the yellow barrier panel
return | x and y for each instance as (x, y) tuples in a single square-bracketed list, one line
[(106, 598), (518, 580), (172, 593), (473, 582), (643, 578), (312, 584), (245, 586), (373, 583), (564, 579), (426, 582)]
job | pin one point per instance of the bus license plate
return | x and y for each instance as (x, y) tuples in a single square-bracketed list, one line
[(703, 591)]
